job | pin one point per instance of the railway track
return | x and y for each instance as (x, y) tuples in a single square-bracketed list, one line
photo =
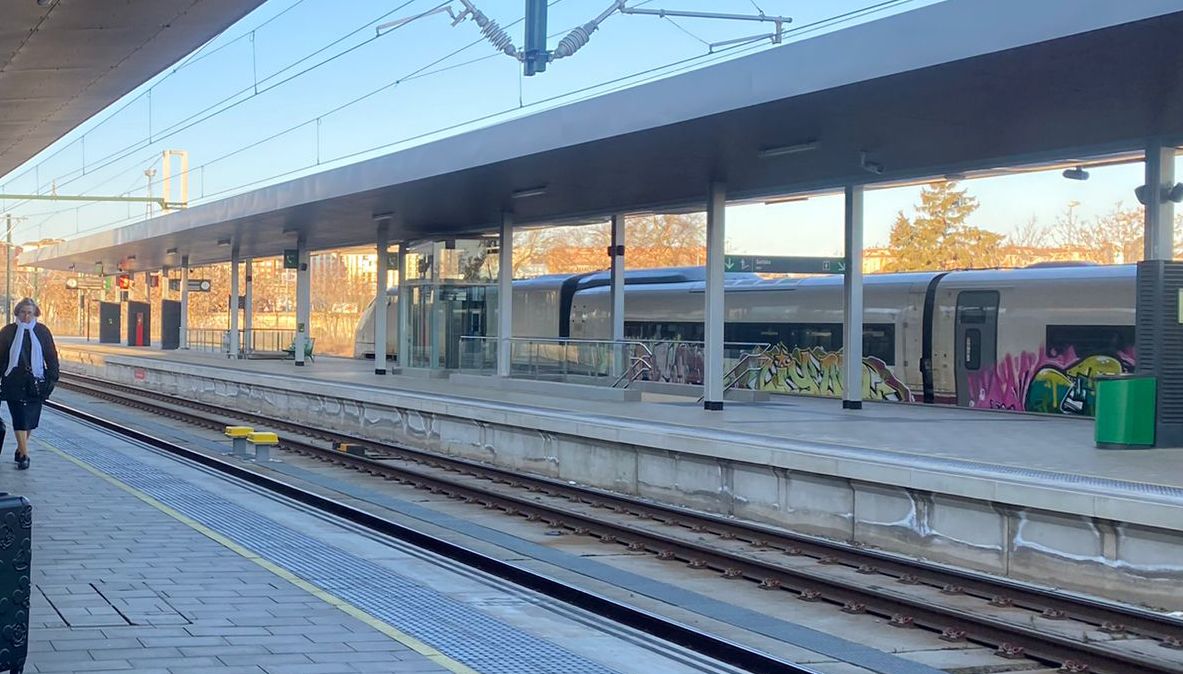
[(1017, 620)]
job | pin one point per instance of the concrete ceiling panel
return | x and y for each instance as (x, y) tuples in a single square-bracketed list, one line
[(73, 58)]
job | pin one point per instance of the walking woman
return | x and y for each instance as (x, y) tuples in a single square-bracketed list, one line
[(30, 374)]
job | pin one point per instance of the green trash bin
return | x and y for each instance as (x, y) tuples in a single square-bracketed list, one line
[(1125, 411)]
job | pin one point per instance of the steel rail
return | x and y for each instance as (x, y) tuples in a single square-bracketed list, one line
[(1010, 637)]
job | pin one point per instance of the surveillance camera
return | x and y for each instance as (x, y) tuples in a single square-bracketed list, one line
[(1175, 194), (1140, 193), (870, 166)]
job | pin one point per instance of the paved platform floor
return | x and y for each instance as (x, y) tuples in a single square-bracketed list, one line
[(144, 564), (993, 440)]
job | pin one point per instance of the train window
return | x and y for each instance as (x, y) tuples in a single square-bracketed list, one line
[(973, 349), (1089, 340), (879, 342), (878, 338), (828, 337), (973, 315), (681, 331)]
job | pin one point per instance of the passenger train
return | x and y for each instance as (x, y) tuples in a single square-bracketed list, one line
[(1029, 339)]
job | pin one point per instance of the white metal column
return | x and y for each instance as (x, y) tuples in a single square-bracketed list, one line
[(303, 300), (713, 332), (852, 317), (380, 297), (233, 303), (616, 252), (248, 307), (404, 309), (184, 336), (1159, 242), (505, 297)]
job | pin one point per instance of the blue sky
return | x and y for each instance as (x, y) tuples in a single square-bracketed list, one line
[(251, 109)]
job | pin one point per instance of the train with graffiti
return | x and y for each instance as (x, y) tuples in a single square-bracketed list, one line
[(1031, 339)]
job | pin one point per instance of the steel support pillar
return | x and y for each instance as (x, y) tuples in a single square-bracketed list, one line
[(380, 297), (616, 253), (234, 262), (713, 333), (852, 316), (248, 308), (184, 336), (403, 309), (1159, 241), (303, 300), (505, 297)]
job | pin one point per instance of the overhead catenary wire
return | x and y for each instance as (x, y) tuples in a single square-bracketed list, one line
[(685, 63), (214, 109), (424, 71), (623, 81), (199, 117), (127, 150)]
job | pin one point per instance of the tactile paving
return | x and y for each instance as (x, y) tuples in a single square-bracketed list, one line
[(469, 636)]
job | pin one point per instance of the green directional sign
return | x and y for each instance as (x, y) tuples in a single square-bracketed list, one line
[(773, 264), (291, 259)]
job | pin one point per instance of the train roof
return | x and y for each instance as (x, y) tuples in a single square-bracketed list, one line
[(694, 277), (631, 277)]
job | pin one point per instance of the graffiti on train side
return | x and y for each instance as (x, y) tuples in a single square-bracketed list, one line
[(1060, 384), (819, 372)]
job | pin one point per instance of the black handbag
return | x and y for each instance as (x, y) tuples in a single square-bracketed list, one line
[(35, 389)]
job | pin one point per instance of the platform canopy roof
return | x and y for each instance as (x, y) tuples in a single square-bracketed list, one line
[(62, 61), (958, 85)]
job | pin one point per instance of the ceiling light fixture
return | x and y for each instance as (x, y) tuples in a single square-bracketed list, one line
[(529, 192), (223, 242), (780, 151), (784, 200)]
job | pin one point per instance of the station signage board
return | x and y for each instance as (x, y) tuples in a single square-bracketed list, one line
[(85, 283), (774, 264), (199, 285)]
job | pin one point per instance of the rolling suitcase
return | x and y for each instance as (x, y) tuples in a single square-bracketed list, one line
[(16, 553)]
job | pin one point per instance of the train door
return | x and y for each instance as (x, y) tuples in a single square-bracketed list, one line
[(976, 345), (464, 310)]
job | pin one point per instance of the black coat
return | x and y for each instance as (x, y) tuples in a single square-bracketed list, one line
[(13, 387)]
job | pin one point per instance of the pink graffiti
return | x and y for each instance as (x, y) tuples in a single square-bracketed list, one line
[(1005, 386)]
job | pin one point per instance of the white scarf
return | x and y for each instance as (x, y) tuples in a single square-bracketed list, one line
[(14, 353)]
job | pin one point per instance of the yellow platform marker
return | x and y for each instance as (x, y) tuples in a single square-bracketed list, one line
[(263, 441), (238, 434)]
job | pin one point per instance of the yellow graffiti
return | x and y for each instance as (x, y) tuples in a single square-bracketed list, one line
[(819, 372), (1071, 391)]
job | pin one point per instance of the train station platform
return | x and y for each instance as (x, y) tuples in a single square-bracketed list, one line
[(145, 563), (1016, 495)]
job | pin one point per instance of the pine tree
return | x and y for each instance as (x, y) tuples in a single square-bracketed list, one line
[(937, 237)]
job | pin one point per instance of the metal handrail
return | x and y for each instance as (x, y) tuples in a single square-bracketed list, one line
[(638, 365), (560, 357), (742, 365)]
